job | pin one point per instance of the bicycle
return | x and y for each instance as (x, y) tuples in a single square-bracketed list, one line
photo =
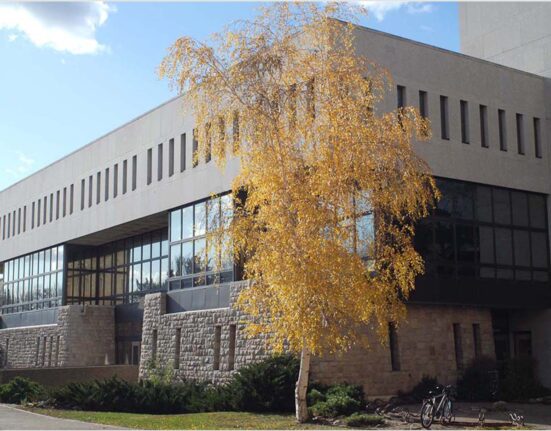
[(437, 406)]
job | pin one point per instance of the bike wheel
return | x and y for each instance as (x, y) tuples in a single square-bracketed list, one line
[(427, 414), (447, 413)]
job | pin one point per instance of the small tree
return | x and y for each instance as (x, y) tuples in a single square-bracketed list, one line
[(329, 187)]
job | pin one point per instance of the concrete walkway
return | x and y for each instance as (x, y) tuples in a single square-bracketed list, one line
[(13, 418)]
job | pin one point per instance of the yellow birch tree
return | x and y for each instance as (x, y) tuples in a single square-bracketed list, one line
[(329, 187)]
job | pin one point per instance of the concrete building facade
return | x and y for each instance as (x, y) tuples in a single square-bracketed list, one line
[(118, 227)]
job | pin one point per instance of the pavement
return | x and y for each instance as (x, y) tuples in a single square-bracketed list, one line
[(12, 418)]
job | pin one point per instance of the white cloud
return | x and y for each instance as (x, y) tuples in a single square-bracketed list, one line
[(12, 37), (379, 9), (23, 166), (65, 27)]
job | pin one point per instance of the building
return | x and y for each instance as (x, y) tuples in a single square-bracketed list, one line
[(104, 251)]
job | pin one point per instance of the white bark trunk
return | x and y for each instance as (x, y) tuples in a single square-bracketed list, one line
[(301, 389)]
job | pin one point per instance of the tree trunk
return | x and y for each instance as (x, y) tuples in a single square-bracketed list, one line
[(301, 389)]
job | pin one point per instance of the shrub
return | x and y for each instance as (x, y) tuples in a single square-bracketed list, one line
[(421, 390), (21, 390), (363, 420), (337, 400), (478, 380), (265, 386), (519, 380)]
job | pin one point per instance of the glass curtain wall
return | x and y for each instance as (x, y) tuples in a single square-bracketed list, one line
[(119, 272), (198, 258), (33, 282), (486, 232)]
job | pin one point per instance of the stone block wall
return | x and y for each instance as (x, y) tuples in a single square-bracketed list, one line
[(425, 343), (198, 344), (83, 336)]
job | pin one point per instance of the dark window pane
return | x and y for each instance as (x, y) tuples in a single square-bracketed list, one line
[(502, 206), (487, 272), (457, 199), (465, 243), (424, 239), (504, 246), (539, 250), (522, 247), (444, 241), (520, 208), (537, 211), (521, 274), (486, 236), (484, 203), (540, 276)]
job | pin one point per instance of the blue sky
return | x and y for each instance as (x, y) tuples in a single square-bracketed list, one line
[(72, 72)]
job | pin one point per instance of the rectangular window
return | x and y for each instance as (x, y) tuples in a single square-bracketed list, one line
[(159, 162), (51, 207), (464, 121), (458, 345), (71, 199), (182, 152), (520, 133), (82, 193), (444, 119), (45, 212), (177, 341), (18, 221), (124, 176), (477, 343), (235, 132), (57, 203), (25, 218), (401, 96), (98, 188), (154, 345), (195, 149), (32, 217), (106, 184), (231, 349), (134, 172), (90, 190), (208, 144), (217, 341), (64, 201), (115, 180), (537, 137), (423, 104), (149, 165), (483, 126), (37, 214), (502, 130), (393, 345), (170, 157)]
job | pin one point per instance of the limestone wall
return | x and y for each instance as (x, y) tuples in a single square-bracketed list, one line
[(83, 336)]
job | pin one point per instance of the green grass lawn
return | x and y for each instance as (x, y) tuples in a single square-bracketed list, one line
[(199, 421)]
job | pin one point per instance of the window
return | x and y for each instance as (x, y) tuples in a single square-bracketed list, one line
[(171, 157), (98, 188), (393, 344), (24, 218), (231, 349), (106, 184), (502, 130), (64, 212), (537, 137), (57, 204), (458, 345), (149, 165), (18, 221), (32, 218), (208, 143), (195, 149), (115, 180), (51, 207), (483, 126), (464, 121), (71, 199), (423, 104), (520, 133), (159, 162), (235, 132), (124, 176), (82, 194), (90, 190), (477, 342), (38, 213), (183, 152), (401, 96), (217, 341), (177, 341), (444, 119), (134, 172), (45, 212)]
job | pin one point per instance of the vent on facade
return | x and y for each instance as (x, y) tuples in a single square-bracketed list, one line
[(170, 157), (537, 138), (444, 118), (502, 130), (520, 133), (393, 345), (464, 108), (217, 342), (182, 152), (231, 349), (483, 110), (458, 345)]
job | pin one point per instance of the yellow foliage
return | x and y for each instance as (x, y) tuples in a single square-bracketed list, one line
[(287, 94)]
